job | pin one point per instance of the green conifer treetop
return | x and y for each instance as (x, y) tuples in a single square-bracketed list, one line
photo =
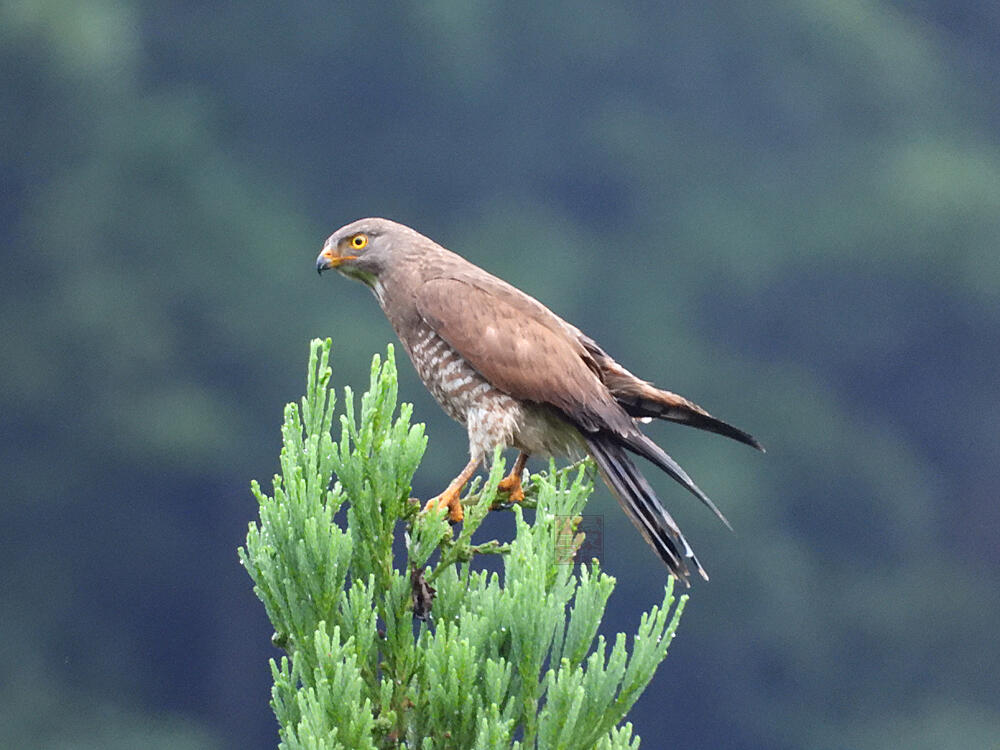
[(508, 661)]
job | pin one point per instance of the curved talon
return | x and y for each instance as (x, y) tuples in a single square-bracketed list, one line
[(512, 482), (448, 499), (512, 485)]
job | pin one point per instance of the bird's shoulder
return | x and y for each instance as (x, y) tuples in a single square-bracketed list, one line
[(451, 276)]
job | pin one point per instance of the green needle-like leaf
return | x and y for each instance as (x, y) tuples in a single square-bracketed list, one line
[(495, 657)]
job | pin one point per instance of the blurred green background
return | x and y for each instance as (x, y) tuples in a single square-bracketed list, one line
[(787, 211)]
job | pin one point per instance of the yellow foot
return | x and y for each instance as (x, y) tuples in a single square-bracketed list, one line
[(448, 499), (512, 485)]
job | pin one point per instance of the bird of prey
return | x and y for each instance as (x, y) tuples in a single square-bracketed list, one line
[(519, 376)]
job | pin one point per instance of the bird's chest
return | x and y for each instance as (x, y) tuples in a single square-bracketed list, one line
[(455, 385), (491, 416)]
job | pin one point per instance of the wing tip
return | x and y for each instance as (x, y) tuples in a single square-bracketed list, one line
[(735, 433)]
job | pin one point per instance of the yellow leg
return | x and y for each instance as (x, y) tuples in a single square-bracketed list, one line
[(450, 497), (512, 482)]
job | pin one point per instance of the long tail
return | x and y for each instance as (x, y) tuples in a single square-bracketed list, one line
[(642, 506), (643, 446)]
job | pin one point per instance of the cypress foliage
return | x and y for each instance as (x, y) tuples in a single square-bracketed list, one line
[(421, 649)]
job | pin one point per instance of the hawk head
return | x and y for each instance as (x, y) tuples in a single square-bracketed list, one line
[(364, 248)]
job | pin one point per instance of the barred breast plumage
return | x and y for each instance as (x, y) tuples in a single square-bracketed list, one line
[(493, 418)]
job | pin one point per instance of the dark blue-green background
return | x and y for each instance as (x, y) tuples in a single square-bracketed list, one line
[(788, 211)]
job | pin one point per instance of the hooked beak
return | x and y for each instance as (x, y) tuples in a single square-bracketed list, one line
[(328, 259)]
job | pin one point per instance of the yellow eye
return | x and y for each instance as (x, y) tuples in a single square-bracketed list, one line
[(358, 241)]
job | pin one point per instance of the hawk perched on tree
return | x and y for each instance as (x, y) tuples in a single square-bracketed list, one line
[(517, 375)]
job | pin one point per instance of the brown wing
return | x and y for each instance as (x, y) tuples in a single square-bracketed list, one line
[(520, 347)]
